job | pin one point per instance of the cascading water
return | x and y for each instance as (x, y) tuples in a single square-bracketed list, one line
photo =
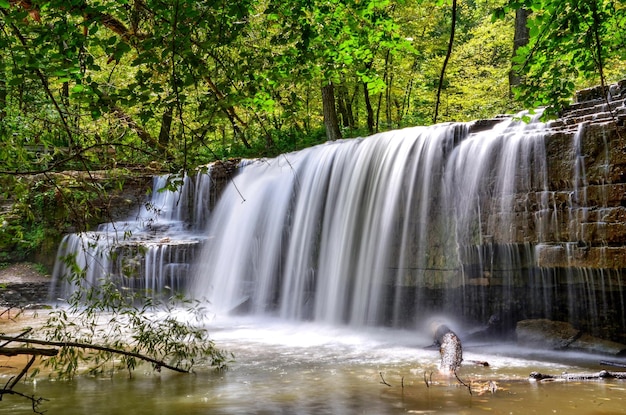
[(376, 230), (152, 250)]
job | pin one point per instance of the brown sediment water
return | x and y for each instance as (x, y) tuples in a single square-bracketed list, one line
[(305, 368)]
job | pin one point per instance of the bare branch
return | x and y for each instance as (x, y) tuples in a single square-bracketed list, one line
[(33, 351), (383, 379), (157, 363), (22, 334), (35, 401)]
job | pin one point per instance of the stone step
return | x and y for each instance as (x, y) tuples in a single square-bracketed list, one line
[(573, 255)]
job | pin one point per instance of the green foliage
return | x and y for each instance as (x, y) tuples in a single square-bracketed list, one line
[(571, 43), (477, 84), (116, 319)]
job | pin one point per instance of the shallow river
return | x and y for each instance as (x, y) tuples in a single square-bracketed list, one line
[(310, 369)]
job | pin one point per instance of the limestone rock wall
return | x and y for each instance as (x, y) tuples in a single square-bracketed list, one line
[(568, 243)]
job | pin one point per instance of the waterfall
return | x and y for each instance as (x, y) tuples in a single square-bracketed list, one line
[(373, 230), (472, 220), (152, 250)]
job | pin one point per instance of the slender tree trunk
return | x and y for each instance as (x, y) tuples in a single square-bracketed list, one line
[(166, 126), (380, 96), (341, 106), (330, 112), (345, 107), (368, 108), (389, 82), (388, 102), (406, 100), (445, 61), (378, 105), (520, 38), (3, 90)]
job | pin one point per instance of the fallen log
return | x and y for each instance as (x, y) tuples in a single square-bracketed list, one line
[(158, 364), (603, 374), (32, 351), (611, 363)]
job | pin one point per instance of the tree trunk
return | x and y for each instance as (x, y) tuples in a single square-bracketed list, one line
[(388, 99), (166, 126), (369, 109), (445, 61), (3, 90), (380, 96), (341, 107), (345, 107), (520, 38), (330, 112)]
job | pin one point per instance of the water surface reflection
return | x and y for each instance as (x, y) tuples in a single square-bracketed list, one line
[(310, 369)]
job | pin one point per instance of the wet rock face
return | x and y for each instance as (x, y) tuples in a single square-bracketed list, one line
[(24, 294), (560, 335), (546, 334), (584, 202), (556, 248)]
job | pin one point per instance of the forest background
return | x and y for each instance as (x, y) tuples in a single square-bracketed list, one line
[(122, 87)]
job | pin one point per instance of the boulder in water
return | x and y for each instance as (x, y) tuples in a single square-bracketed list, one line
[(545, 333), (594, 344), (550, 334)]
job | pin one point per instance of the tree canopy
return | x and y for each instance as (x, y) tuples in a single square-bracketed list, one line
[(109, 85), (571, 44)]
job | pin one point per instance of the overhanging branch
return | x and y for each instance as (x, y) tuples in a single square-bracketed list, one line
[(156, 362)]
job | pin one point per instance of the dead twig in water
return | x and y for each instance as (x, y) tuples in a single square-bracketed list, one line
[(428, 381), (384, 382), (463, 383)]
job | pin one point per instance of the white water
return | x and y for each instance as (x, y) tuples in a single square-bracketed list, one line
[(152, 249), (339, 233)]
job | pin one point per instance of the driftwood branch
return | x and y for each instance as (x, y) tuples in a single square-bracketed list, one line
[(611, 363), (35, 401), (157, 363), (32, 351), (383, 381), (603, 374)]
